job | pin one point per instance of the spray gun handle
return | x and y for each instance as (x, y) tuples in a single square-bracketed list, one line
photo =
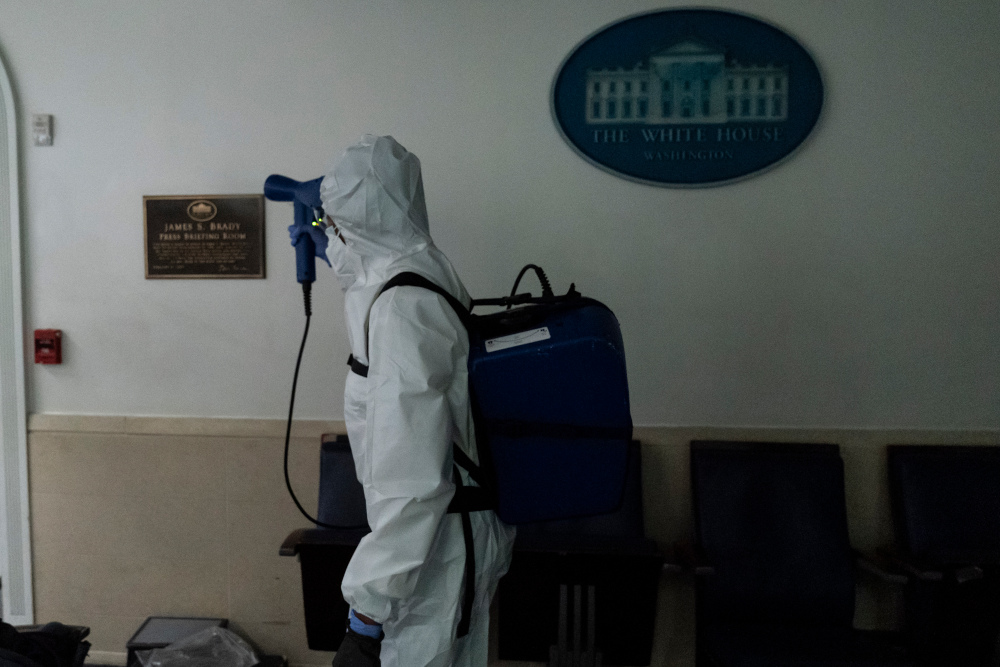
[(305, 259), (305, 247)]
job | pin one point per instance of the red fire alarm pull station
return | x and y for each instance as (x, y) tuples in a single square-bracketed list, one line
[(48, 346)]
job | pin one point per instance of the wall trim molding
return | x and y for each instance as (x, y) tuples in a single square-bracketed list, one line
[(235, 427), (239, 427)]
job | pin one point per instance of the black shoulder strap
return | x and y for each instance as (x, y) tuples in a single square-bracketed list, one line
[(410, 279)]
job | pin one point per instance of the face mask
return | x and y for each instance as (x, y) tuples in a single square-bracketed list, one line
[(346, 264)]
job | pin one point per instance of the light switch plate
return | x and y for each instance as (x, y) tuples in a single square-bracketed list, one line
[(41, 129)]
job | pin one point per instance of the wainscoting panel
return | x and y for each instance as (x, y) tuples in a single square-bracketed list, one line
[(135, 517)]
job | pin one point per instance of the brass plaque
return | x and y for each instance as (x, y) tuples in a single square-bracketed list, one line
[(209, 236)]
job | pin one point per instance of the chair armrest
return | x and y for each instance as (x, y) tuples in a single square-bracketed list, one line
[(290, 547), (672, 563), (321, 537), (968, 573), (912, 566), (880, 566), (693, 558), (77, 632), (925, 571)]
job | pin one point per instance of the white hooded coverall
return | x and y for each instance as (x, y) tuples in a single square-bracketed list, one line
[(402, 420)]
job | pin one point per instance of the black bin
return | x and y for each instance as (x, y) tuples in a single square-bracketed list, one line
[(325, 552), (577, 577)]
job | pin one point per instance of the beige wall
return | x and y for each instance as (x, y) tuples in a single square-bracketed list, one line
[(140, 517), (135, 517)]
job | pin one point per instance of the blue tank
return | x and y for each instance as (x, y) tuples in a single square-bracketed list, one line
[(551, 391)]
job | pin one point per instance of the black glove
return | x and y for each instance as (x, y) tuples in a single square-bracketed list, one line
[(358, 651)]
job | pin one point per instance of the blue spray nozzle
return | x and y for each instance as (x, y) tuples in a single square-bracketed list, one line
[(283, 188), (309, 241), (280, 188)]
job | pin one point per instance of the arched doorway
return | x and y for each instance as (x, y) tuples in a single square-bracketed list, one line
[(15, 545)]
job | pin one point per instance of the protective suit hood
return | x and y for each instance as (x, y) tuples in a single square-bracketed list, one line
[(374, 196)]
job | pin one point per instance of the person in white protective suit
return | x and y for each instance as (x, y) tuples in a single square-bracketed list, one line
[(408, 574)]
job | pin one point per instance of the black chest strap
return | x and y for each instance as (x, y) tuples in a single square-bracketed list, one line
[(357, 367)]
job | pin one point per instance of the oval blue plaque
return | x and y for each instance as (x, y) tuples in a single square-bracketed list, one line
[(687, 97)]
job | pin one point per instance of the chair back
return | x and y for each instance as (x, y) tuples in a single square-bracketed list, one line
[(772, 520), (946, 501), (341, 496)]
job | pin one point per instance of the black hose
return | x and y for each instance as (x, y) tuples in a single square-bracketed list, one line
[(307, 296), (307, 289), (542, 278)]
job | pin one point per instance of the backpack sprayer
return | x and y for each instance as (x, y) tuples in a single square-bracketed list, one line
[(547, 379), (310, 242)]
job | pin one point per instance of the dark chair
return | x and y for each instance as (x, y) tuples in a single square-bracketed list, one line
[(583, 591), (576, 576), (777, 584), (946, 506), (325, 552), (49, 645)]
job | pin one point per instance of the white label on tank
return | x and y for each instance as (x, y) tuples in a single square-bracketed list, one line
[(514, 340)]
